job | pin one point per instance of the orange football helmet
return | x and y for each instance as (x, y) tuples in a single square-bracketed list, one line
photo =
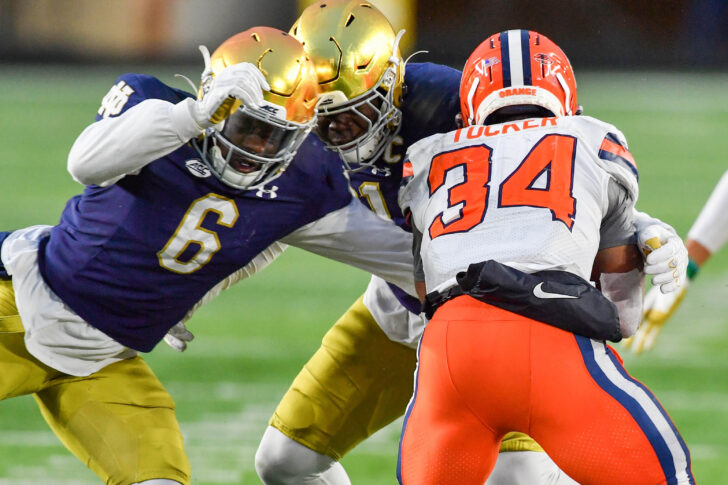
[(517, 68)]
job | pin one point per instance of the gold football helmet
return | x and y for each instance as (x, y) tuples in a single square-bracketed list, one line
[(253, 146), (360, 71)]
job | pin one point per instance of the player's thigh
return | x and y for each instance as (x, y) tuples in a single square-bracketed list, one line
[(21, 372), (357, 382), (120, 421), (443, 440), (596, 422)]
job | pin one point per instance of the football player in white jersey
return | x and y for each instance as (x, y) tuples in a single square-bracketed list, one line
[(372, 108), (708, 235), (347, 391), (514, 215)]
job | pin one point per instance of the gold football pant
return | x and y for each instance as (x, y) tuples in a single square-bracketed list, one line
[(120, 421), (356, 383)]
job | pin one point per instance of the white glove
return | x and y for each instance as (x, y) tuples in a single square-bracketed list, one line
[(224, 93), (666, 257), (658, 308), (178, 336)]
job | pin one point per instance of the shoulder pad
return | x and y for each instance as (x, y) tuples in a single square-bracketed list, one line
[(420, 154), (611, 151)]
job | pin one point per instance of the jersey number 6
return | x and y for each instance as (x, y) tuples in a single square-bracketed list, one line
[(191, 236), (468, 200)]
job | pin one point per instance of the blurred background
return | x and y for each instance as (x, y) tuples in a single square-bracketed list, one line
[(657, 70), (669, 34)]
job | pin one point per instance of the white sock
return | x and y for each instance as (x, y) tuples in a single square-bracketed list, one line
[(283, 461), (527, 468)]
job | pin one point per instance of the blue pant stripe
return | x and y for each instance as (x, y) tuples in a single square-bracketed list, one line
[(655, 436)]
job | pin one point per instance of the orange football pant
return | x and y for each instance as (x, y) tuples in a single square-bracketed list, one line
[(484, 371)]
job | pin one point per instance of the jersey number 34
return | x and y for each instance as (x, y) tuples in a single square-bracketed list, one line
[(551, 157)]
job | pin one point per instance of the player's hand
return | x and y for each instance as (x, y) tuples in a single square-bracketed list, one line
[(666, 257), (178, 336), (658, 308), (223, 94)]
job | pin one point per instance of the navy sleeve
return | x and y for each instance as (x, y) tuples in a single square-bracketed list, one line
[(131, 89), (432, 99)]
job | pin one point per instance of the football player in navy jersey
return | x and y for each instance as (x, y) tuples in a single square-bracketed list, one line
[(181, 192), (372, 109)]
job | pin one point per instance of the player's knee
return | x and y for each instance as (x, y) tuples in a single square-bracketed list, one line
[(270, 463), (281, 460)]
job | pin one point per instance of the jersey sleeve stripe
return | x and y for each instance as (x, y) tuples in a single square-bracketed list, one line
[(613, 151)]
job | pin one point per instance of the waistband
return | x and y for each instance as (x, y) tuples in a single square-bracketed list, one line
[(558, 298), (436, 299)]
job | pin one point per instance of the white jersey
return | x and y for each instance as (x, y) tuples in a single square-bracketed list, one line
[(397, 322), (531, 194)]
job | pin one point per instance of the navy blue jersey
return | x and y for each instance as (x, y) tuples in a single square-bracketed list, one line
[(430, 105), (132, 258)]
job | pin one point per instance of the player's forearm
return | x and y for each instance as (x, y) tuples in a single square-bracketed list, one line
[(113, 147), (710, 229), (698, 253), (356, 236), (626, 291)]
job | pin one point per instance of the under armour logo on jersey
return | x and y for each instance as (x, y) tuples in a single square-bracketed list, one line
[(267, 193), (197, 168), (381, 171), (115, 99)]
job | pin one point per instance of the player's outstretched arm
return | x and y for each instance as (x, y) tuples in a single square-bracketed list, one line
[(356, 236), (113, 147)]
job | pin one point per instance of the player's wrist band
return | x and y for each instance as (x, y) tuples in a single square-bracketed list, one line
[(693, 269)]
